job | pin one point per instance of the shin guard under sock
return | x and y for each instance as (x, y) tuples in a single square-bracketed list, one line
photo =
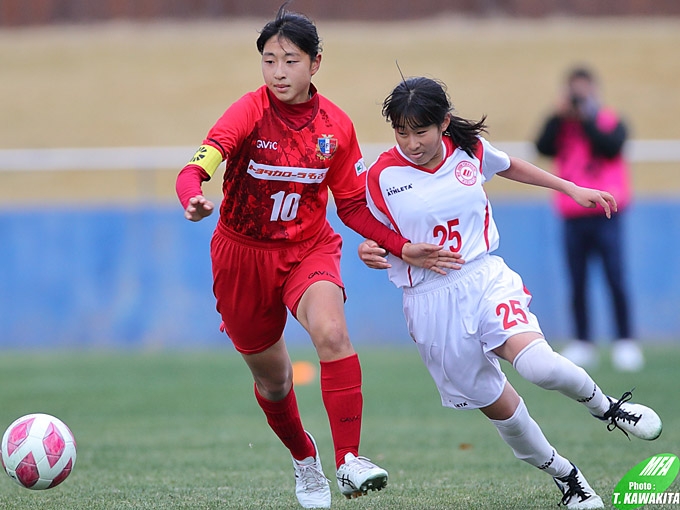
[(284, 419), (341, 393), (539, 364), (528, 443)]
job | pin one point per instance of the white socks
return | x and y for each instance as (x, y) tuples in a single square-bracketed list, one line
[(529, 444), (539, 364)]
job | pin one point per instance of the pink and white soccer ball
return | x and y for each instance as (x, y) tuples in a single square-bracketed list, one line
[(38, 451)]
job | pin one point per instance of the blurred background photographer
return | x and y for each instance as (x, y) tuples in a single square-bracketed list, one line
[(586, 141)]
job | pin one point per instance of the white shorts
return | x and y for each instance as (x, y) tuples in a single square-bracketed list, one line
[(457, 321)]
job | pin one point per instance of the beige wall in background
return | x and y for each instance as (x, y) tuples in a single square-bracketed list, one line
[(125, 84)]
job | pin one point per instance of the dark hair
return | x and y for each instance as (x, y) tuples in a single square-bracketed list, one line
[(295, 27), (581, 72), (420, 102)]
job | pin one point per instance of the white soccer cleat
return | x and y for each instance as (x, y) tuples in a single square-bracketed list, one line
[(576, 493), (358, 475), (311, 485), (635, 419)]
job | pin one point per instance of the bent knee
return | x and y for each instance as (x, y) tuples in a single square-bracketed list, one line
[(536, 363), (331, 340), (274, 387)]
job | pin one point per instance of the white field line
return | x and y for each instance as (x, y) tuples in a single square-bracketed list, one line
[(155, 158)]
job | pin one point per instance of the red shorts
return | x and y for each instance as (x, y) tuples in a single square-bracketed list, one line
[(256, 281)]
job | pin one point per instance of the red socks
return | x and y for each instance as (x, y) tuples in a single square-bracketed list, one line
[(341, 393), (284, 419)]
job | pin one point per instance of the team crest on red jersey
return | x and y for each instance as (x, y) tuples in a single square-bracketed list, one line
[(466, 173), (326, 146)]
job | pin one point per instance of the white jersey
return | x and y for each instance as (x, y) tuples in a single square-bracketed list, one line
[(446, 206)]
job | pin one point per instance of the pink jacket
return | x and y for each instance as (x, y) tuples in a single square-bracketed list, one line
[(576, 162)]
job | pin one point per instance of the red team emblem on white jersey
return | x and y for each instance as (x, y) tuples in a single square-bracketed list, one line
[(466, 173)]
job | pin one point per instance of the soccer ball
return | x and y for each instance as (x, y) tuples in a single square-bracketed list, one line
[(38, 451)]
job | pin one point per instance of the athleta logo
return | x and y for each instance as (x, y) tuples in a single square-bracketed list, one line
[(466, 173), (398, 189), (267, 144)]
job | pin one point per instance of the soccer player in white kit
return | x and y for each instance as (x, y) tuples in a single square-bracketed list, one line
[(470, 314)]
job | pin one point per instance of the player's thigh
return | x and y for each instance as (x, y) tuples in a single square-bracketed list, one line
[(314, 293), (515, 344), (505, 406), (247, 286), (321, 313), (444, 325), (507, 316), (318, 260)]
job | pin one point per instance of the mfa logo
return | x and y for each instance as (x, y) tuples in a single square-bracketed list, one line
[(646, 483)]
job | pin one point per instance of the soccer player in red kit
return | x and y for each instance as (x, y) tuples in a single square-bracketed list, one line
[(285, 146)]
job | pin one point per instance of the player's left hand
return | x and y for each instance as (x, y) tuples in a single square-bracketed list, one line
[(431, 256), (588, 197)]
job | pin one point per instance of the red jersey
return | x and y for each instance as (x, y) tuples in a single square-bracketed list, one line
[(277, 175)]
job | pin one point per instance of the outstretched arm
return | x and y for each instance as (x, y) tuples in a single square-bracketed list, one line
[(524, 172), (382, 240), (188, 187), (198, 208), (354, 213)]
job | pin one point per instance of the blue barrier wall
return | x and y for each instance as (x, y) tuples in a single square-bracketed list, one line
[(140, 277)]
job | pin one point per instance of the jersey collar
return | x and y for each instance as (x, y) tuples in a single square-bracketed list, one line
[(447, 148), (296, 116)]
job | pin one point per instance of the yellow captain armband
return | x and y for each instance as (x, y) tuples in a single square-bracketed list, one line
[(208, 158)]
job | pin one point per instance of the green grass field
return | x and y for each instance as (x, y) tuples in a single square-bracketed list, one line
[(182, 430)]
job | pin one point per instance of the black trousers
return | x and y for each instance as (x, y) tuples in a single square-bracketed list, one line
[(596, 237)]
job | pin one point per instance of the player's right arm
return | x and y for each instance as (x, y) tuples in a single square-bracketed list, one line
[(223, 138), (198, 208), (188, 185)]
